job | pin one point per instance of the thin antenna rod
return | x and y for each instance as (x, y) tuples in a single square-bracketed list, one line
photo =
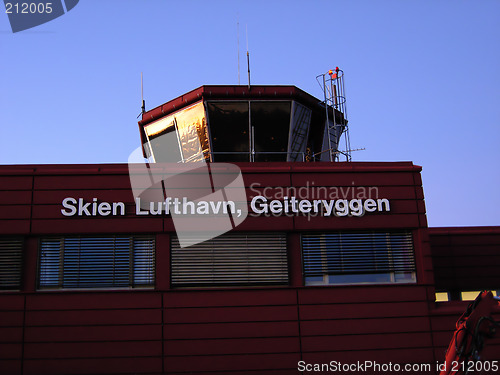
[(238, 36), (143, 108), (248, 59)]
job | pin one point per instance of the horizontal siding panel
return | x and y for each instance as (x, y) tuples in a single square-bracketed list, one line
[(69, 169), (375, 221), (269, 224), (10, 366), (447, 252), (94, 225), (366, 342), (232, 346), (214, 224), (472, 261), (93, 333), (14, 197), (229, 298), (10, 351), (92, 350), (16, 182), (230, 330), (231, 314), (474, 239), (92, 317), (479, 260), (372, 310), (11, 334), (111, 300), (364, 326), (11, 302), (350, 179), (444, 323), (80, 182), (393, 293), (18, 226), (93, 366), (15, 211), (216, 363), (476, 273), (11, 318), (444, 338)]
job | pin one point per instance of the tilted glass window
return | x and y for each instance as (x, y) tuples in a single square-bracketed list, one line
[(231, 259), (11, 251), (299, 132), (97, 262), (271, 124), (358, 258), (229, 128)]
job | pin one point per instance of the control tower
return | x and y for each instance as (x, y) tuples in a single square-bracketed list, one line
[(246, 124)]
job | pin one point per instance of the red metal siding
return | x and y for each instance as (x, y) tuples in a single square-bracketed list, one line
[(235, 330), (466, 258)]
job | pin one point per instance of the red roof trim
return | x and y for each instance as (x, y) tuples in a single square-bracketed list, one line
[(262, 167), (228, 92)]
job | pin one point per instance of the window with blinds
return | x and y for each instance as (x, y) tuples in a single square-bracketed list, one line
[(358, 257), (231, 259), (11, 258), (97, 262)]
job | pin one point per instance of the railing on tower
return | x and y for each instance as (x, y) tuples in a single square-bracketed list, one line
[(332, 84)]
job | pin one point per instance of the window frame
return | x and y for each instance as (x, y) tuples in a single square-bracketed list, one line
[(409, 276), (132, 285)]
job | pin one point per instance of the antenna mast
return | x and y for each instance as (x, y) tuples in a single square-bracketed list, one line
[(238, 37), (143, 107), (248, 60)]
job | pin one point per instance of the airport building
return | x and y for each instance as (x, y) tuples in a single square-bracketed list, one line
[(323, 261)]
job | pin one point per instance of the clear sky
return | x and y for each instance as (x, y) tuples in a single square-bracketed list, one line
[(422, 80)]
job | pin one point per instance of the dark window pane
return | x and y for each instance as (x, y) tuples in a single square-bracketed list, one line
[(228, 123), (271, 122)]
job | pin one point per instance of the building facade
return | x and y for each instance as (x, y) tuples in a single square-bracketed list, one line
[(334, 262)]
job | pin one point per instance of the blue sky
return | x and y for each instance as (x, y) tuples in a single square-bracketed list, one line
[(422, 80)]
